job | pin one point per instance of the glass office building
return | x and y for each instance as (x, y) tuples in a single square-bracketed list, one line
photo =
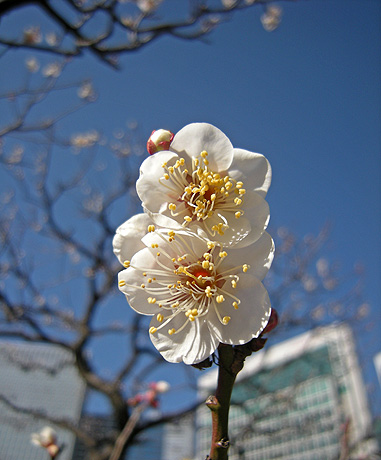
[(37, 382), (298, 400)]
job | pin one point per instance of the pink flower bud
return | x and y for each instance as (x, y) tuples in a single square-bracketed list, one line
[(273, 322), (160, 139)]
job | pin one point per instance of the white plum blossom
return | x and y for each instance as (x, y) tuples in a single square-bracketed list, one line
[(204, 184), (198, 292), (46, 438)]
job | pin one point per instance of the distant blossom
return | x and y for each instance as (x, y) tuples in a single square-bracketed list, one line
[(46, 438), (271, 18)]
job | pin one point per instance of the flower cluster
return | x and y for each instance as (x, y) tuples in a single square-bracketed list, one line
[(195, 259)]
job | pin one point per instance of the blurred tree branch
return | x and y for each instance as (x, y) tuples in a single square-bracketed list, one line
[(110, 28)]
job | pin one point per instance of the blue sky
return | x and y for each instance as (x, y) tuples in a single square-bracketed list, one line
[(306, 95)]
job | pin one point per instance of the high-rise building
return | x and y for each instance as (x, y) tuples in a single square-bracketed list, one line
[(38, 383), (302, 399)]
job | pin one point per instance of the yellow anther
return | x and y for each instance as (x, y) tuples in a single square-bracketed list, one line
[(169, 286), (196, 162), (206, 162), (160, 317), (223, 254), (171, 233), (188, 219), (151, 300), (144, 274), (149, 280), (211, 245), (171, 331), (122, 283), (204, 154), (238, 214), (175, 305), (213, 197), (245, 267), (172, 206), (237, 201), (143, 286), (226, 319), (188, 190), (242, 191), (171, 169), (235, 305), (166, 176), (152, 330), (126, 263), (205, 264), (234, 283), (158, 253), (206, 256), (228, 185), (194, 312), (191, 318), (164, 164), (182, 161), (151, 228), (220, 298), (154, 245), (239, 184), (173, 259)]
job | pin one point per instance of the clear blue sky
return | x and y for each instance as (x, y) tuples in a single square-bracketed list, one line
[(306, 95)]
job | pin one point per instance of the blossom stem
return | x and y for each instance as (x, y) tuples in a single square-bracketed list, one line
[(220, 403)]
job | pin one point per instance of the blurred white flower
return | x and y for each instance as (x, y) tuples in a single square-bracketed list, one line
[(32, 35), (148, 6), (228, 3), (32, 64), (51, 39), (204, 184), (52, 70), (271, 18), (85, 139), (46, 438), (198, 294), (86, 91)]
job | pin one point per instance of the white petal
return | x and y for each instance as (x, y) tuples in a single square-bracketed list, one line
[(249, 320), (136, 297), (253, 169), (258, 255), (192, 345), (257, 212), (127, 240), (152, 193), (197, 137)]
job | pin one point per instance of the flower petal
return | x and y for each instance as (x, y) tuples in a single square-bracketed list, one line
[(258, 255), (253, 169), (127, 240), (194, 138), (192, 345), (249, 320), (153, 194)]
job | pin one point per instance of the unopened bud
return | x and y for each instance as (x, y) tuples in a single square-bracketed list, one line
[(273, 322), (159, 140)]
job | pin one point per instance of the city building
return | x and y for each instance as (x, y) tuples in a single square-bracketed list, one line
[(37, 382), (302, 399)]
